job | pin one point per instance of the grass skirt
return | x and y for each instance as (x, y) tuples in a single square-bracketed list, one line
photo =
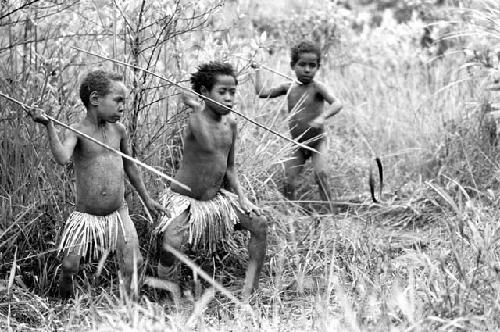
[(84, 232), (208, 222)]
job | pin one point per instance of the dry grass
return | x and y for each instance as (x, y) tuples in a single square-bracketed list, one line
[(425, 259)]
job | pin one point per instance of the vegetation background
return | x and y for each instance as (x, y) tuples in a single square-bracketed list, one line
[(413, 75)]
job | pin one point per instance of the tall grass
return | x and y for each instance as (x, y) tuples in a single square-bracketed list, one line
[(426, 259)]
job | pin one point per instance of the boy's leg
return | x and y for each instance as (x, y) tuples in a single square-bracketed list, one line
[(127, 247), (293, 167), (257, 245), (70, 266), (175, 236), (320, 174)]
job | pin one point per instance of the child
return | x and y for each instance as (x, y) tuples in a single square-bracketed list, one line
[(101, 219), (208, 212), (305, 103)]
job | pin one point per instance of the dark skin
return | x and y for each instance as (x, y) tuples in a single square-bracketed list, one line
[(99, 172), (208, 159), (306, 105)]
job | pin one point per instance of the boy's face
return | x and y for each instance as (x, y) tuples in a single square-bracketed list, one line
[(222, 92), (112, 105), (306, 67)]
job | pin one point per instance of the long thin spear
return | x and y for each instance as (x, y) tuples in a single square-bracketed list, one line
[(269, 69), (123, 155), (201, 96), (273, 70)]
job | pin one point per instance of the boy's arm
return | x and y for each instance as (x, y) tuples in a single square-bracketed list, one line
[(192, 101), (198, 129), (232, 178), (62, 151), (268, 93), (134, 174), (335, 106)]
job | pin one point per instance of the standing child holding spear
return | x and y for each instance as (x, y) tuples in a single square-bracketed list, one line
[(101, 221), (209, 212)]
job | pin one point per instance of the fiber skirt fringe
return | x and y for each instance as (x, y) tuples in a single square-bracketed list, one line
[(208, 222), (84, 232)]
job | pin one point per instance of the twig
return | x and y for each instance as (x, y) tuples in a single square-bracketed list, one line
[(123, 155), (304, 146)]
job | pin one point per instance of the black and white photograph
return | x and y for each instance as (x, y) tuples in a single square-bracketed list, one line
[(249, 165)]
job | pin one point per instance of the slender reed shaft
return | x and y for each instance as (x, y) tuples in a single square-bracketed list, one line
[(123, 155), (201, 96)]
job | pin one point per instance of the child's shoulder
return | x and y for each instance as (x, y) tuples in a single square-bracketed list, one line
[(321, 88), (319, 85), (231, 120), (195, 116), (87, 128), (79, 126), (285, 86)]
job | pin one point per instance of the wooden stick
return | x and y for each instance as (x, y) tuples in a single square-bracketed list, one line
[(123, 155), (304, 146), (273, 71), (269, 69)]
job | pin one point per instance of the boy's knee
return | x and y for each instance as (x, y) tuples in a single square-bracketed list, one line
[(71, 264), (166, 258), (132, 259), (291, 177), (289, 191)]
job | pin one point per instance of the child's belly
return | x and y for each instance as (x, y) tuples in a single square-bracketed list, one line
[(204, 176), (100, 186), (303, 131)]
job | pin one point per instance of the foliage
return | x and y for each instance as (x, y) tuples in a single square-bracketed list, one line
[(424, 259)]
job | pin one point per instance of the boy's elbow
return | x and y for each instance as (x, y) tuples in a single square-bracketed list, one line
[(62, 160)]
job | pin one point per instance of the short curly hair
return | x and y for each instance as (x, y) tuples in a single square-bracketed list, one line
[(207, 75), (97, 80), (304, 47)]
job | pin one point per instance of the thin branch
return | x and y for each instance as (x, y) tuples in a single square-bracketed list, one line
[(27, 4), (121, 154), (203, 97), (53, 38)]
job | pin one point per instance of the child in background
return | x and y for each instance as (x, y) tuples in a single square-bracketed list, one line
[(306, 100)]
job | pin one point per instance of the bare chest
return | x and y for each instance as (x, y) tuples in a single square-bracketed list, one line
[(90, 154), (216, 137), (304, 98)]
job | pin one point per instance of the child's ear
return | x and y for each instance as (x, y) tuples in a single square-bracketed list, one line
[(94, 98), (204, 91)]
